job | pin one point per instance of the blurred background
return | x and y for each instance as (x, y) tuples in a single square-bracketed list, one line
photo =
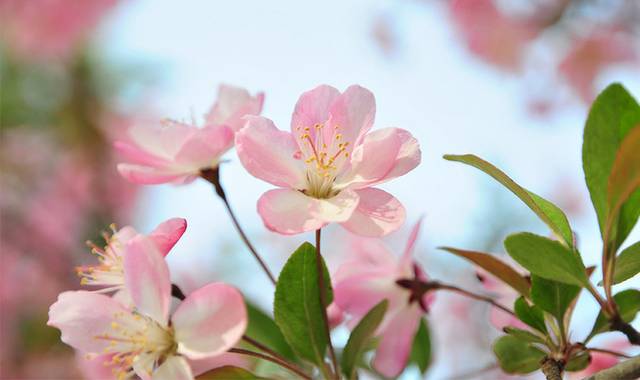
[(510, 81)]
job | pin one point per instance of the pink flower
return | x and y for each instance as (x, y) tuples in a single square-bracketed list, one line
[(144, 340), (489, 34), (372, 276), (326, 165), (589, 56), (109, 273), (177, 152), (504, 295)]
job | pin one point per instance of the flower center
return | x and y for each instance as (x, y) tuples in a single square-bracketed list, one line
[(137, 338), (324, 153), (109, 272)]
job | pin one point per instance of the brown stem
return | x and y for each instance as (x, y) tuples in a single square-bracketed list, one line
[(271, 359), (625, 370), (177, 292), (269, 351), (609, 352), (466, 293), (213, 176), (617, 324), (552, 369), (323, 304)]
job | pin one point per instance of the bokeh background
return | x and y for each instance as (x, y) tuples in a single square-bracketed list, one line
[(508, 80)]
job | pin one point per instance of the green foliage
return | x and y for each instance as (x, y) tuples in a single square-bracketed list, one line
[(552, 296), (546, 211), (496, 267), (627, 263), (628, 302), (578, 362), (229, 373), (547, 258), (421, 353), (612, 116), (524, 335), (297, 309), (531, 315), (516, 356), (263, 329), (360, 337)]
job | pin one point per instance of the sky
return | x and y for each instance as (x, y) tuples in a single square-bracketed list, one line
[(431, 87)]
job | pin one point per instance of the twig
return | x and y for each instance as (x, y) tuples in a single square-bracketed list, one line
[(271, 359), (626, 370), (552, 369), (213, 176), (466, 293), (269, 351)]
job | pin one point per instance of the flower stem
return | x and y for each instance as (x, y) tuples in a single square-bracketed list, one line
[(213, 176), (323, 304), (277, 361), (466, 293), (552, 369), (271, 352)]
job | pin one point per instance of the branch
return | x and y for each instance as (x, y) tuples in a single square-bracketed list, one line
[(626, 370), (552, 369), (632, 334)]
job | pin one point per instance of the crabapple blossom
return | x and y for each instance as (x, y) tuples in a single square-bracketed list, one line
[(326, 166), (371, 275), (145, 340), (177, 152), (109, 273)]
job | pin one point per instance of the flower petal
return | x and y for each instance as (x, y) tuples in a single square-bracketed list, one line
[(174, 368), (145, 175), (167, 234), (407, 255), (359, 293), (289, 211), (210, 321), (409, 155), (146, 277), (200, 366), (136, 155), (163, 141), (81, 316), (204, 148), (378, 214), (353, 113), (395, 345), (313, 107), (97, 367), (232, 104), (270, 154)]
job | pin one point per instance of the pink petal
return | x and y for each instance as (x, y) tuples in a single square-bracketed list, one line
[(366, 255), (167, 234), (353, 112), (373, 159), (289, 211), (335, 315), (378, 214), (163, 141), (134, 154), (409, 156), (81, 316), (395, 345), (100, 367), (407, 256), (270, 154), (200, 366), (232, 105), (144, 175), (204, 147), (209, 321), (146, 277), (359, 293), (174, 368), (313, 107)]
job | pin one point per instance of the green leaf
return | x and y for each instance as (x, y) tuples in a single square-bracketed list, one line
[(516, 356), (359, 338), (612, 115), (547, 258), (524, 335), (531, 315), (578, 362), (229, 373), (546, 211), (623, 182), (496, 267), (628, 302), (263, 329), (296, 307), (552, 296), (421, 349), (627, 263)]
